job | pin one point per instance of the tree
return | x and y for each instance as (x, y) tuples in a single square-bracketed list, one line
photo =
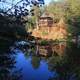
[(16, 14), (69, 9), (36, 12)]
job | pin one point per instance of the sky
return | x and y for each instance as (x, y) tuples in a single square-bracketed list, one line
[(15, 1), (48, 1)]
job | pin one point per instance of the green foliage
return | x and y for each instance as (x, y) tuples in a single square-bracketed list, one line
[(20, 31), (70, 29), (44, 42), (13, 18), (44, 33), (31, 23), (70, 10)]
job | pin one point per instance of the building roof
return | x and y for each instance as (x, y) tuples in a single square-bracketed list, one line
[(47, 15)]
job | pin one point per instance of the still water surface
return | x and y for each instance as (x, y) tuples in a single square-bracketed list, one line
[(15, 64), (29, 72)]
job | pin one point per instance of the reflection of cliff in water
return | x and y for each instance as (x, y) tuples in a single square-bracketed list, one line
[(52, 49), (67, 67), (7, 63)]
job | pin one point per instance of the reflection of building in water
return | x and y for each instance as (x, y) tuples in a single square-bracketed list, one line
[(49, 50)]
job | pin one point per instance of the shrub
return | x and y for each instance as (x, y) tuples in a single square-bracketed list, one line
[(44, 33), (44, 42)]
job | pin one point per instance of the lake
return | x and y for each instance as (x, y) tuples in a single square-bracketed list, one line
[(17, 64)]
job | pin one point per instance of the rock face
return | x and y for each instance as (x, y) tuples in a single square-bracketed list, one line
[(57, 32)]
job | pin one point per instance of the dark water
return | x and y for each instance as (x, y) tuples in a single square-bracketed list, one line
[(16, 64)]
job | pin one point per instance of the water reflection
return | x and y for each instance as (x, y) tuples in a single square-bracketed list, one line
[(34, 68), (67, 67), (51, 49), (24, 64), (7, 63), (35, 61)]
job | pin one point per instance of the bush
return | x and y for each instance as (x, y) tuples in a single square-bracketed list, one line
[(44, 42), (44, 33)]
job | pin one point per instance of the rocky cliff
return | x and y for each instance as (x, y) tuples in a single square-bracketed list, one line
[(57, 32)]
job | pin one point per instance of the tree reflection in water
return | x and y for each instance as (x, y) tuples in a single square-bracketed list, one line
[(68, 66), (64, 60), (7, 63), (35, 61)]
